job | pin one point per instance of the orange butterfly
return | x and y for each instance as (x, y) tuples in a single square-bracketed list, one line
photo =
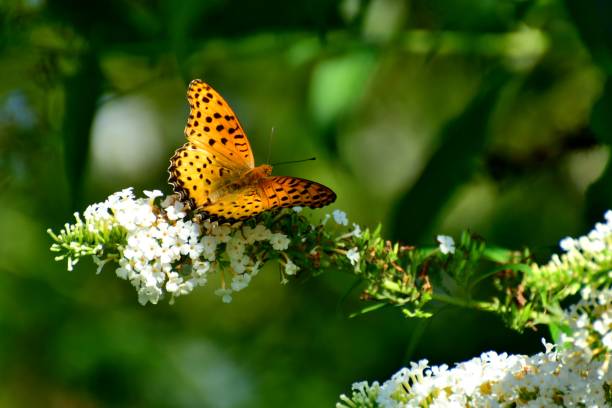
[(214, 172)]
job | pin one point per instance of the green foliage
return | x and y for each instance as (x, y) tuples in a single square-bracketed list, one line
[(415, 279), (411, 277), (456, 152), (425, 117)]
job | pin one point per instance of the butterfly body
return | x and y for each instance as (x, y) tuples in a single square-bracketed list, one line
[(251, 178), (257, 174), (214, 171)]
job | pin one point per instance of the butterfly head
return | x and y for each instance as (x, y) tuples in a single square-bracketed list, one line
[(264, 170)]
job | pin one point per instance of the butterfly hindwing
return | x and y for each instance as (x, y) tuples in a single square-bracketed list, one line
[(285, 191), (239, 205), (268, 194), (213, 125)]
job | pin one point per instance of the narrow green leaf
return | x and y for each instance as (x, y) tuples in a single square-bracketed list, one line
[(369, 309), (82, 94)]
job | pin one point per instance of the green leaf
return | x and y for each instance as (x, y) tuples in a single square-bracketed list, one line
[(497, 254), (337, 85), (556, 330)]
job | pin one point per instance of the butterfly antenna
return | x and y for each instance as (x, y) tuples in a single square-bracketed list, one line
[(270, 144), (294, 161)]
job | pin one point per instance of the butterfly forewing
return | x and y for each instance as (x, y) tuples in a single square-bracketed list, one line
[(213, 125), (197, 173)]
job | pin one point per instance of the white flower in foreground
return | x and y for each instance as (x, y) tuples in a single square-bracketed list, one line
[(240, 282), (174, 282), (226, 294), (291, 268), (569, 376), (223, 233), (239, 265), (235, 247), (259, 233), (200, 272), (447, 244), (175, 211), (150, 293), (100, 263), (279, 241), (353, 255), (590, 322), (209, 247), (585, 259), (340, 217), (297, 209), (356, 231), (567, 244), (153, 194), (163, 253)]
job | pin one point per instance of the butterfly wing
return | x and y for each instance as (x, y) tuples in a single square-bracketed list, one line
[(217, 153), (269, 193), (236, 206), (285, 191), (196, 174), (213, 125)]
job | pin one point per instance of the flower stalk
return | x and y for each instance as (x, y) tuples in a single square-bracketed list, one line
[(164, 251)]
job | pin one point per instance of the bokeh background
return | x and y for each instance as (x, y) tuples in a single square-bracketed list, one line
[(426, 116)]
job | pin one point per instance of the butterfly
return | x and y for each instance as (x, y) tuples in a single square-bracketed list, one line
[(214, 172)]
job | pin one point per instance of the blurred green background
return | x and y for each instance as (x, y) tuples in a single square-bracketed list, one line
[(426, 116)]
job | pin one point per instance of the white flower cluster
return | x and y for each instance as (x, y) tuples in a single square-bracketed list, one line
[(575, 374), (590, 324), (165, 253), (583, 257), (594, 242), (341, 219)]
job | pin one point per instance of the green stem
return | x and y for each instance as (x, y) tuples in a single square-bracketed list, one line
[(517, 267), (466, 303)]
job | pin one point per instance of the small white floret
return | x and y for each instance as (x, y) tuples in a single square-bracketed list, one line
[(447, 244)]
